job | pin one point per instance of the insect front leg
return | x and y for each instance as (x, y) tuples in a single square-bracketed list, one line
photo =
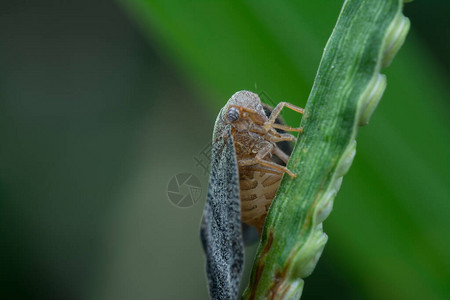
[(257, 129), (285, 128), (273, 135), (276, 111)]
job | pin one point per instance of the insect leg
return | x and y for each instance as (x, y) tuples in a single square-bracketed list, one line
[(277, 167), (284, 127), (274, 136), (262, 152), (254, 161), (262, 169), (271, 148), (280, 153), (283, 137), (276, 111), (257, 129)]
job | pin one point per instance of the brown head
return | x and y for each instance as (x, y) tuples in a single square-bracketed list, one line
[(242, 109)]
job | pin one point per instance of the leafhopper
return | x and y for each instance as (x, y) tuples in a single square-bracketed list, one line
[(247, 165)]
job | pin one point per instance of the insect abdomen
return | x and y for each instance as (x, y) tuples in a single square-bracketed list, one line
[(257, 192)]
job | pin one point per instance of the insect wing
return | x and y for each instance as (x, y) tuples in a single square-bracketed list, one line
[(221, 231)]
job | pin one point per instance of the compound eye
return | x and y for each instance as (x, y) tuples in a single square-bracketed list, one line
[(233, 114)]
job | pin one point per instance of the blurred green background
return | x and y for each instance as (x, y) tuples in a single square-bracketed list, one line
[(102, 102)]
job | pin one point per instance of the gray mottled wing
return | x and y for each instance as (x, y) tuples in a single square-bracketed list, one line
[(221, 231)]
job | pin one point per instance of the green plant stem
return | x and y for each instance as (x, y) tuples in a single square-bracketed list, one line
[(346, 91)]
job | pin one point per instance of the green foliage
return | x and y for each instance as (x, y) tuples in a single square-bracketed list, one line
[(388, 229)]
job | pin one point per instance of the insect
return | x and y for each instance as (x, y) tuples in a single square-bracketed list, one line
[(246, 169)]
